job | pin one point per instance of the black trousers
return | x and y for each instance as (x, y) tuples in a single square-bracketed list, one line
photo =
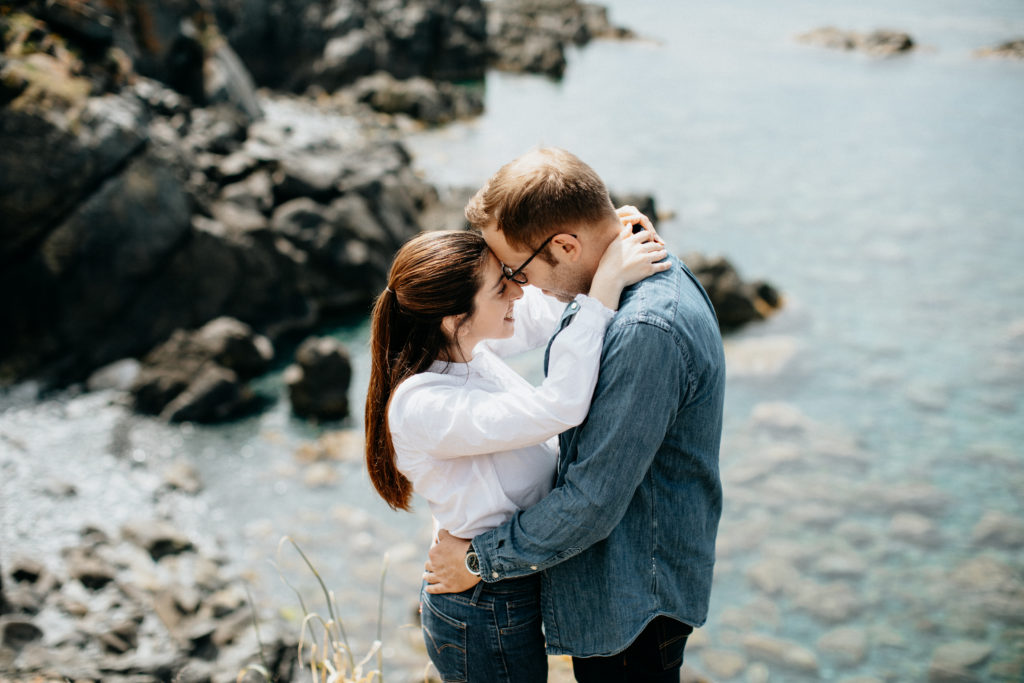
[(654, 657)]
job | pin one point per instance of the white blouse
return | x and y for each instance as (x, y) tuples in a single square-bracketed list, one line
[(476, 439)]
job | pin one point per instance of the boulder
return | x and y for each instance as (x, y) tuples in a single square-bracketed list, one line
[(318, 382), (736, 302), (433, 102), (198, 376), (51, 160)]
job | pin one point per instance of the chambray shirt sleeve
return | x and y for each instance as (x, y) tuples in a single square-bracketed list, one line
[(450, 421), (642, 377), (537, 316)]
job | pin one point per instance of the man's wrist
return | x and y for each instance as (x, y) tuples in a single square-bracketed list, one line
[(472, 561)]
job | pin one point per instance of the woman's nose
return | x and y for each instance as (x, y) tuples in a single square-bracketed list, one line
[(515, 290)]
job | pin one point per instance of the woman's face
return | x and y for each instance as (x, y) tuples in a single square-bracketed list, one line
[(492, 317)]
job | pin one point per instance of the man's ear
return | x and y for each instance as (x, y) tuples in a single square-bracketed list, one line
[(567, 247)]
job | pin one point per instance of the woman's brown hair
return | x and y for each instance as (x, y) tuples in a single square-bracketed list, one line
[(434, 275)]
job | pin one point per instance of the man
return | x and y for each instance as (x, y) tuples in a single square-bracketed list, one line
[(625, 541)]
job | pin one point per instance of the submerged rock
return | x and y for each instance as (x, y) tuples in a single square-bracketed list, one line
[(999, 530), (878, 43), (1011, 49), (781, 652), (846, 644), (953, 661)]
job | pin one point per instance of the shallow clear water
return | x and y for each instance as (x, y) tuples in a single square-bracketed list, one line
[(883, 197)]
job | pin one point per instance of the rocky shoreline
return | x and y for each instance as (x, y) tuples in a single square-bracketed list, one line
[(184, 192)]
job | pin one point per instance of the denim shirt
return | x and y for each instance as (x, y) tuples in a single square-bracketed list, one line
[(629, 531)]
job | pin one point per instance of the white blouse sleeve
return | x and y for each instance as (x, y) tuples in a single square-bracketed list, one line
[(537, 316), (458, 420)]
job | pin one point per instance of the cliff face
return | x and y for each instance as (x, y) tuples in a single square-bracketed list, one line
[(142, 189)]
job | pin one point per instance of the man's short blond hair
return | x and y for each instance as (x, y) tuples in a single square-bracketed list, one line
[(544, 191)]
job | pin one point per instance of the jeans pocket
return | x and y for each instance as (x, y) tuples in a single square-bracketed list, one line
[(445, 637)]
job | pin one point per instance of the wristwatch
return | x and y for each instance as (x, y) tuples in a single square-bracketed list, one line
[(472, 562)]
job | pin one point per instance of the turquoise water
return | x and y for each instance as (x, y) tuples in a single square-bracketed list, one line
[(885, 198), (872, 426)]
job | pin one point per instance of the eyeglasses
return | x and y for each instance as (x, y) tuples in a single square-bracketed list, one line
[(517, 275)]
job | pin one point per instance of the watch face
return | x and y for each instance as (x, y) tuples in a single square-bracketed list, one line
[(472, 563)]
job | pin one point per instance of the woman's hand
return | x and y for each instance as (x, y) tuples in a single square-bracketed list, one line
[(629, 258), (630, 215)]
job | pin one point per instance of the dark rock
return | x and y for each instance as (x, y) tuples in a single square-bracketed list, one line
[(429, 101), (49, 163), (157, 538), (883, 43), (25, 570), (878, 43), (92, 572), (84, 21), (214, 394), (17, 633), (291, 44), (531, 35), (318, 382), (198, 375), (736, 302)]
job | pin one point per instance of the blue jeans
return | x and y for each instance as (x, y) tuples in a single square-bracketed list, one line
[(490, 633)]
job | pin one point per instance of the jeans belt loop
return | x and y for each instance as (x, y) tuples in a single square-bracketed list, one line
[(476, 593)]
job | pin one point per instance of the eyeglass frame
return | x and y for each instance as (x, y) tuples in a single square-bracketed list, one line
[(514, 275)]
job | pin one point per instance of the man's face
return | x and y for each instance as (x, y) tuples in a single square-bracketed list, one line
[(563, 280)]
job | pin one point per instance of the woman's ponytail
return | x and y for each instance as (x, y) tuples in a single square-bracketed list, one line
[(434, 275)]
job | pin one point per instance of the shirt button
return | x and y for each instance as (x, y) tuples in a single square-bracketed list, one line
[(494, 575), (574, 305), (533, 567)]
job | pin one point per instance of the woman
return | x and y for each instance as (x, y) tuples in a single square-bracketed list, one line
[(445, 416)]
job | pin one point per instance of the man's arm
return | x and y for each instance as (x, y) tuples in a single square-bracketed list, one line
[(643, 376)]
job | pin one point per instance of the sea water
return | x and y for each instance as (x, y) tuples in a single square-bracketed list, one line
[(872, 459)]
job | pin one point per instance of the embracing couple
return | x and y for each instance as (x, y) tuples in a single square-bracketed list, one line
[(605, 535)]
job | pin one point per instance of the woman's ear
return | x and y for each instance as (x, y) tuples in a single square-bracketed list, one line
[(449, 324), (567, 247)]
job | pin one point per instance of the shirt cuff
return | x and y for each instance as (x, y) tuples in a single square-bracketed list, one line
[(484, 547), (594, 307)]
